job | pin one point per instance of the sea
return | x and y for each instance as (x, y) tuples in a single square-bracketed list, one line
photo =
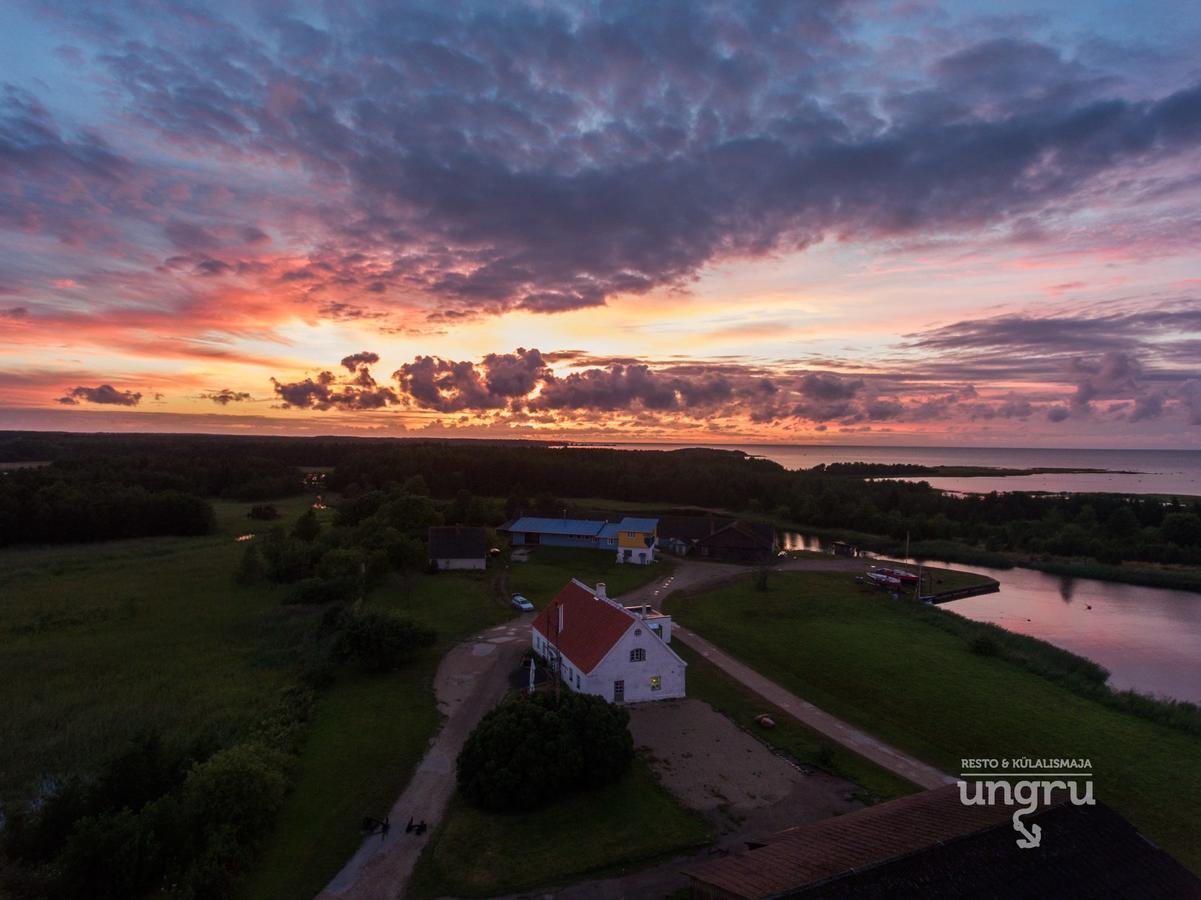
[(1168, 472)]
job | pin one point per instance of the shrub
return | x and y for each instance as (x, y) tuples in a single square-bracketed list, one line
[(536, 747), (984, 645), (379, 642), (323, 590), (264, 512)]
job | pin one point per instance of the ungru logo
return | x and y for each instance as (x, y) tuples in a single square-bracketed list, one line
[(1028, 796)]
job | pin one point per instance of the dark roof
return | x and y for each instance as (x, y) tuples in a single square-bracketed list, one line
[(457, 542), (690, 528), (931, 845), (591, 626), (751, 535)]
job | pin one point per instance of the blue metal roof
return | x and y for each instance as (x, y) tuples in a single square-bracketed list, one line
[(629, 524), (610, 530), (557, 526)]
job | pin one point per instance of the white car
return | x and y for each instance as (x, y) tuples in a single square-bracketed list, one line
[(519, 602)]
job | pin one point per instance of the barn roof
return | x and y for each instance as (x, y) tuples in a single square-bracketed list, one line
[(457, 542), (931, 845), (591, 625), (754, 535), (556, 526)]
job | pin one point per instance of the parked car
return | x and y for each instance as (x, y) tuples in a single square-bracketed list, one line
[(519, 602)]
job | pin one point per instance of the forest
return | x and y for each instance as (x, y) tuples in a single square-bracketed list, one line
[(89, 471)]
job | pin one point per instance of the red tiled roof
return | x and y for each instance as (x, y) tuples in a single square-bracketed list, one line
[(811, 853), (590, 626), (930, 845)]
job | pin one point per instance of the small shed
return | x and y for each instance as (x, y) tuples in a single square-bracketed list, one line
[(457, 547)]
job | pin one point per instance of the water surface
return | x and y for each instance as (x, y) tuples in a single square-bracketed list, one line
[(1148, 638)]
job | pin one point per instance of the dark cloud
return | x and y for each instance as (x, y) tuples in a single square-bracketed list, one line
[(14, 313), (1057, 413), (327, 392), (225, 396), (530, 156), (103, 394), (364, 358), (1114, 374)]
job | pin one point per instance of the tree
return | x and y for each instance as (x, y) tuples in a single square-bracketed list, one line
[(1181, 528), (379, 642), (307, 527), (537, 747), (251, 569)]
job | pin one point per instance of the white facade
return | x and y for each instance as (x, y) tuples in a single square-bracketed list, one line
[(638, 666), (640, 556), (625, 675), (468, 563)]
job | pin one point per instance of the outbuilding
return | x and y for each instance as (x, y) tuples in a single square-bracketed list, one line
[(457, 547)]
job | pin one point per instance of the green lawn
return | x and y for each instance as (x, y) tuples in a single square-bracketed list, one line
[(551, 568), (808, 747), (884, 666), (606, 831)]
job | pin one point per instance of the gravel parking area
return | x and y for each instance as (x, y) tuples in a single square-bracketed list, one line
[(715, 767)]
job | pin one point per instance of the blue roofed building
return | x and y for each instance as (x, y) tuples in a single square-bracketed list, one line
[(633, 539)]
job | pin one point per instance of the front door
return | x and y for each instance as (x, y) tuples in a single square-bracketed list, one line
[(619, 691)]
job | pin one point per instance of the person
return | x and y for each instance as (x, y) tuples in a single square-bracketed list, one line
[(384, 827), (409, 827)]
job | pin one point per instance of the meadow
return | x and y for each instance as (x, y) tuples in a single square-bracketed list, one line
[(104, 642), (926, 687)]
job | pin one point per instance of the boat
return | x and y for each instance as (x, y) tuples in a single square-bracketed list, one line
[(903, 576), (879, 579)]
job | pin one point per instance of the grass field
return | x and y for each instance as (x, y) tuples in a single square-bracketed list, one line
[(367, 736), (601, 832), (885, 667), (105, 641), (551, 568)]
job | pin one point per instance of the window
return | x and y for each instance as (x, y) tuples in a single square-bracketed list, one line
[(656, 683), (638, 655)]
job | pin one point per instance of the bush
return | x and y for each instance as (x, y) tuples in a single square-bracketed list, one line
[(379, 642), (536, 747), (984, 645), (264, 512), (323, 590)]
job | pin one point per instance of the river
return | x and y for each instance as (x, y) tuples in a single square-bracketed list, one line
[(1148, 638)]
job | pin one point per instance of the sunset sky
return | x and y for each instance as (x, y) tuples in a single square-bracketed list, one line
[(947, 223)]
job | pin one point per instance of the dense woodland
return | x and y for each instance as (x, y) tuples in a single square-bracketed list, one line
[(33, 503), (103, 493)]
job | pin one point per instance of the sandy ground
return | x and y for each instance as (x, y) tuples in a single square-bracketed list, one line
[(735, 780)]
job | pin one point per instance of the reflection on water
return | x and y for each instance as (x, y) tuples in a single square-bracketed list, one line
[(1148, 638)]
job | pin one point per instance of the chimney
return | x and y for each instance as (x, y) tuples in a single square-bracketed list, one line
[(560, 617), (600, 591)]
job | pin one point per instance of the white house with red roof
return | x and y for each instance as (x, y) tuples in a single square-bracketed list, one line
[(601, 647)]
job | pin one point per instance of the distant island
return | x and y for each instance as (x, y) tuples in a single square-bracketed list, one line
[(905, 470)]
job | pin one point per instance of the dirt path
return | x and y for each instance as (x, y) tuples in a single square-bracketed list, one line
[(692, 575), (471, 679)]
